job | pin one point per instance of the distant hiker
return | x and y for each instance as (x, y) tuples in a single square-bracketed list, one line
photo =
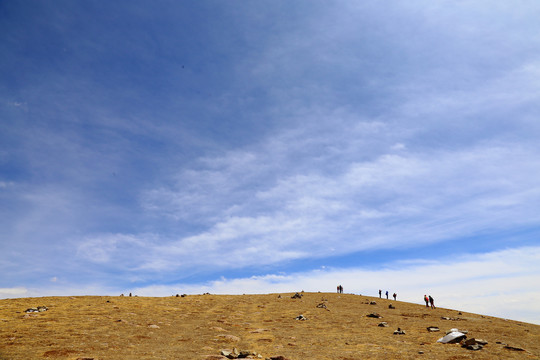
[(338, 288), (341, 289), (387, 294), (129, 294), (380, 293), (432, 302), (426, 300), (395, 296)]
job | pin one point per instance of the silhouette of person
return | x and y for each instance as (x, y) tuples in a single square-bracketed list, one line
[(395, 296), (341, 289), (432, 302), (338, 288), (380, 293), (387, 294), (426, 300)]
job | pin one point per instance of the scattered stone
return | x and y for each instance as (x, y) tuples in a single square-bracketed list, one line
[(183, 295), (473, 344), (383, 324), (420, 352), (399, 332), (432, 329), (300, 317), (459, 313), (474, 347), (322, 306), (452, 337), (38, 309), (374, 315), (456, 330), (279, 296), (226, 353), (296, 296), (280, 357), (372, 303), (513, 348), (153, 326), (450, 319), (391, 306)]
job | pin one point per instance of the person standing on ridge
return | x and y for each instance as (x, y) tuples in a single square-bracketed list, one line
[(432, 302), (395, 296), (387, 294), (380, 293), (426, 300)]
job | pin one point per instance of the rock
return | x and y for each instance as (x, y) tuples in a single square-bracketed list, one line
[(473, 341), (513, 348), (153, 326), (383, 324), (38, 309), (278, 358), (374, 315), (474, 347), (322, 306), (420, 352), (296, 296), (226, 353), (372, 303), (456, 330), (481, 342), (391, 306), (399, 332), (452, 337), (300, 317), (432, 328)]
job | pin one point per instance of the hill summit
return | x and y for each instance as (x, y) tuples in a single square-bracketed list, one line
[(271, 326)]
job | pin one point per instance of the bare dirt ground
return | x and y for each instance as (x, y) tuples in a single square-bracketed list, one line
[(200, 326)]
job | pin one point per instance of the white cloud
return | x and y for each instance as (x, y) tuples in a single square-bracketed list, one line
[(403, 199), (13, 292)]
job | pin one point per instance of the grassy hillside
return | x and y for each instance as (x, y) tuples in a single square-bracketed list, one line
[(200, 326)]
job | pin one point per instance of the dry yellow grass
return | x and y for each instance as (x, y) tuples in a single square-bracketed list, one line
[(200, 326)]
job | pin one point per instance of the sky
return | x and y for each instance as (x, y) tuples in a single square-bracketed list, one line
[(169, 147)]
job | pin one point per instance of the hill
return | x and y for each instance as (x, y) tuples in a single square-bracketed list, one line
[(337, 326)]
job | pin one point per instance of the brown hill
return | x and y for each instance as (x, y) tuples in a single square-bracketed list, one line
[(201, 326)]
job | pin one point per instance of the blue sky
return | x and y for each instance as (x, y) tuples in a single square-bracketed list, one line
[(253, 147)]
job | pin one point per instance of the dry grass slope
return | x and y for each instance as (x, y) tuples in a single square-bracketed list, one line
[(200, 326)]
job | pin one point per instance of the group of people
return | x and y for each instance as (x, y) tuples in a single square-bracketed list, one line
[(380, 294), (427, 298), (429, 301)]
